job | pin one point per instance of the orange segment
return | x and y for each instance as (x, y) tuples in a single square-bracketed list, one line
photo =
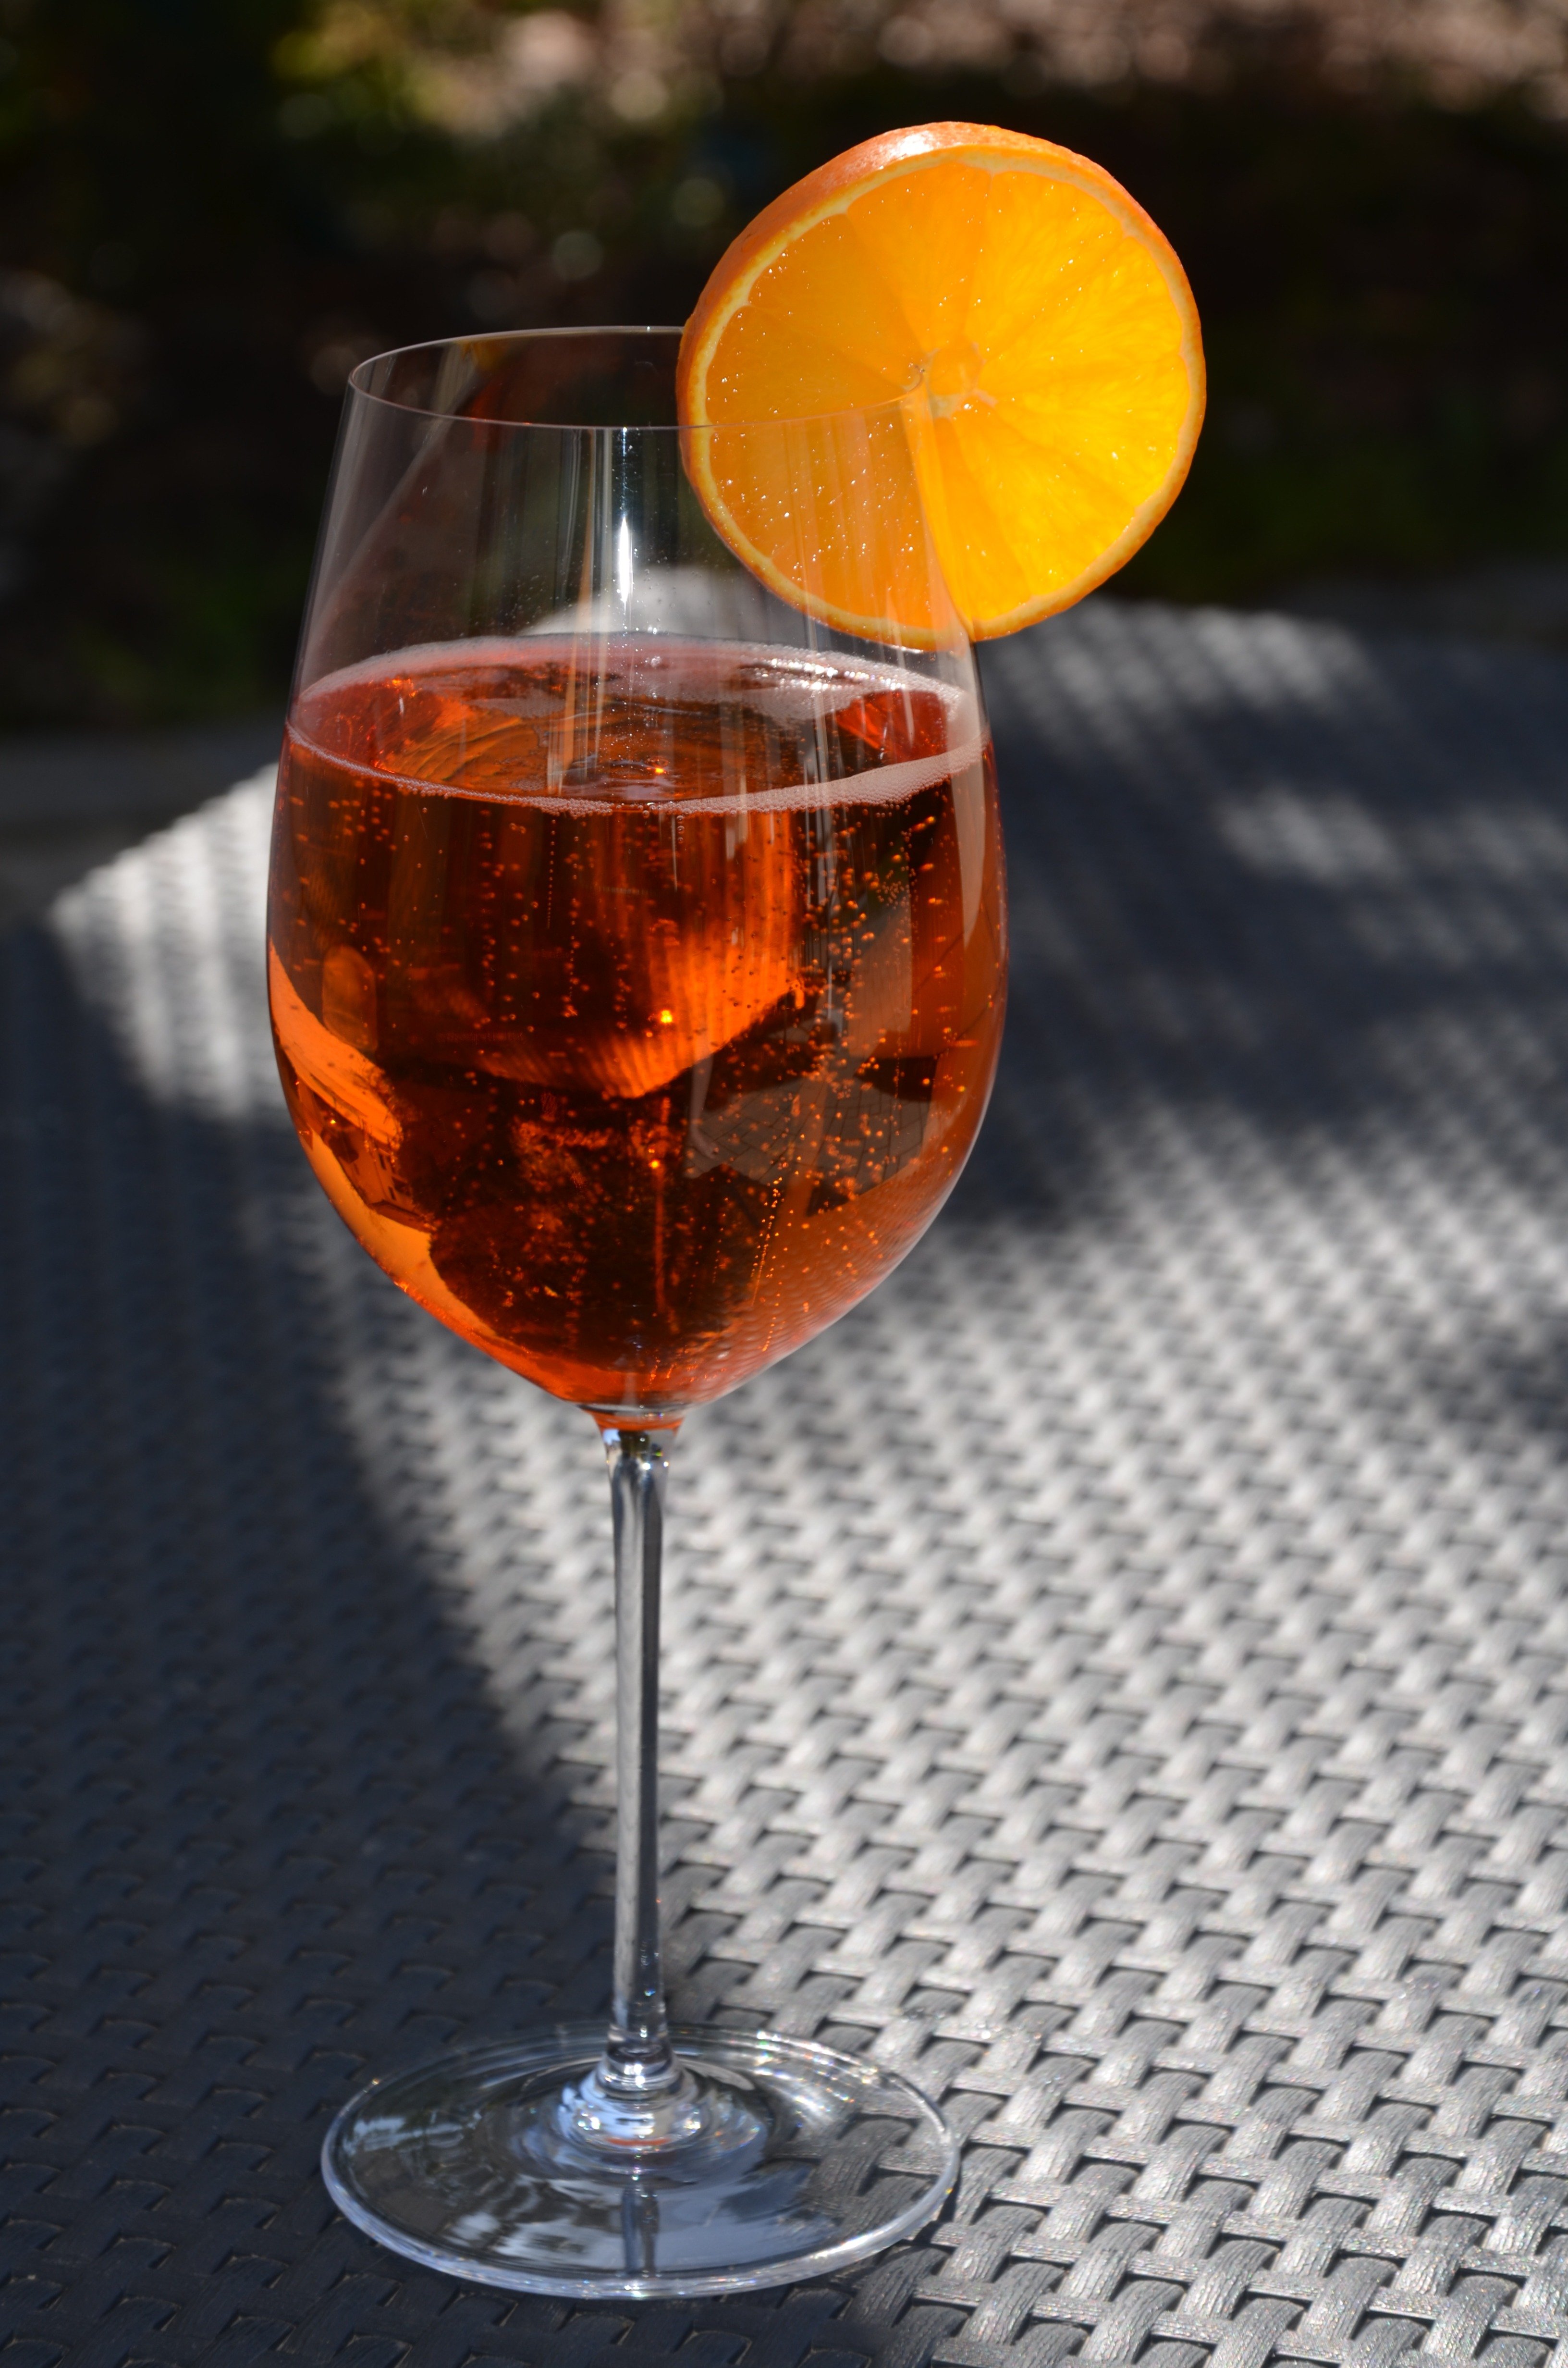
[(1033, 338)]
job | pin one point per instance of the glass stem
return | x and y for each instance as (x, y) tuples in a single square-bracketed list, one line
[(639, 2062)]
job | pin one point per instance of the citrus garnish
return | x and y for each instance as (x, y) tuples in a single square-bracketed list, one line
[(1033, 334)]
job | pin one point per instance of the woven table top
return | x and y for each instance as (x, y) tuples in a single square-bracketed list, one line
[(1120, 1674)]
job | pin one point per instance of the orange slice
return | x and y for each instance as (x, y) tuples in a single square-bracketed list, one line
[(1034, 336)]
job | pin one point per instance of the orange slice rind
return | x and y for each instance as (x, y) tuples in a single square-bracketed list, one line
[(982, 326)]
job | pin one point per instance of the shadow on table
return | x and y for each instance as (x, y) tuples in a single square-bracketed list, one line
[(71, 801), (267, 1831), (1276, 889), (270, 1830), (269, 1825)]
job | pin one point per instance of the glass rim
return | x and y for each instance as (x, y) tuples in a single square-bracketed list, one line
[(365, 393)]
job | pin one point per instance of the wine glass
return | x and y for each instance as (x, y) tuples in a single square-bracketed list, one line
[(636, 953)]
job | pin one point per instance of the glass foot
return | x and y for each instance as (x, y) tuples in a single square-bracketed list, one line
[(787, 2161)]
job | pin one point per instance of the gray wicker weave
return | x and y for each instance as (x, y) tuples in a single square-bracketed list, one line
[(1120, 1674)]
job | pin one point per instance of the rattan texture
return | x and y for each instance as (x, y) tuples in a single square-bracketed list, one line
[(1120, 1674)]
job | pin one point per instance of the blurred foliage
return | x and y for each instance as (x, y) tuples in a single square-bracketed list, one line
[(214, 208)]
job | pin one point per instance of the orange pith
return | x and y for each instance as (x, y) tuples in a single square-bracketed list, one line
[(1040, 331)]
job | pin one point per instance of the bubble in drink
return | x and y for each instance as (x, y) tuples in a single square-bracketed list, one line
[(637, 1004)]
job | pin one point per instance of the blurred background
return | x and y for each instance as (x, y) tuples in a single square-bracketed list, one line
[(213, 208)]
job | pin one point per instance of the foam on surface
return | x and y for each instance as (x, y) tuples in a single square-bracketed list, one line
[(791, 686)]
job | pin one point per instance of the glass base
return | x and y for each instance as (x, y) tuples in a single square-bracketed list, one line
[(788, 2161)]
